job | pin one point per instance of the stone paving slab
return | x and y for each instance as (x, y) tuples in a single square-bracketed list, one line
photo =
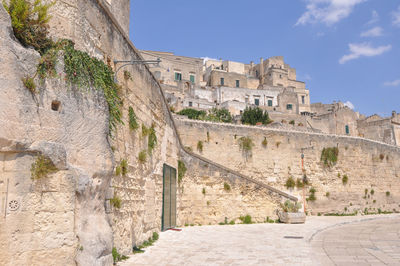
[(360, 240)]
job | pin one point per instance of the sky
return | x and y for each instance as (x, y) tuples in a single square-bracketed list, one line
[(347, 50)]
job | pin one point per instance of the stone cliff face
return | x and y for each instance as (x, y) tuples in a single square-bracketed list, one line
[(58, 220)]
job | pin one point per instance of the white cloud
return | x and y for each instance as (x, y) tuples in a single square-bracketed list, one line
[(396, 17), (358, 50), (374, 18), (393, 83), (374, 32), (349, 104), (328, 12)]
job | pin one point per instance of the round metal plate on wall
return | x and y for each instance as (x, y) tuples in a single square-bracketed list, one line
[(13, 205)]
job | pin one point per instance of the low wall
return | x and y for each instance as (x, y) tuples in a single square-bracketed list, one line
[(369, 165)]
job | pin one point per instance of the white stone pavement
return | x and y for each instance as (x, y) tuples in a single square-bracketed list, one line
[(360, 240)]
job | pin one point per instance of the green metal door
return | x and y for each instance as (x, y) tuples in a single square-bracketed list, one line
[(169, 198)]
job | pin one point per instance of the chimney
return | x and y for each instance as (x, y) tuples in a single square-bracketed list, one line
[(261, 71)]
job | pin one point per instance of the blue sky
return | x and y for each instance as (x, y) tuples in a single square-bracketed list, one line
[(346, 50)]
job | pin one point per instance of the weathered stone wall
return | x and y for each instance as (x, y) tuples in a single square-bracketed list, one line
[(204, 199), (368, 164), (57, 220)]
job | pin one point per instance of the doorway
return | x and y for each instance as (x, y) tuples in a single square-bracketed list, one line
[(169, 198)]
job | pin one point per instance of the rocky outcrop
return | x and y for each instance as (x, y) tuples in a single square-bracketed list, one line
[(58, 220)]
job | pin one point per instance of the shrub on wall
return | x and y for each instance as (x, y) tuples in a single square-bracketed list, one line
[(246, 145), (246, 219), (193, 114), (252, 116), (181, 171), (264, 143), (42, 167), (329, 156), (142, 156), (312, 196), (290, 183), (124, 167), (116, 202), (133, 124), (30, 23), (152, 139), (345, 179), (227, 187), (200, 146)]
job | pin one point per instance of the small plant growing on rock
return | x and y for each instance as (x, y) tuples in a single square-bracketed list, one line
[(387, 193), (290, 183), (203, 191), (338, 175), (142, 156), (116, 202), (299, 183), (29, 83), (124, 167), (181, 171), (278, 143), (118, 257), (264, 143), (227, 187), (327, 194), (329, 156), (118, 170), (246, 219), (381, 156), (345, 179), (42, 167), (133, 124), (127, 75), (312, 196), (200, 146), (292, 122), (152, 139), (246, 145), (290, 206), (372, 192)]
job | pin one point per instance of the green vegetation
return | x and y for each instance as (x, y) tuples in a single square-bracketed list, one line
[(264, 143), (227, 187), (299, 183), (203, 191), (252, 116), (372, 192), (278, 143), (116, 202), (381, 156), (29, 83), (312, 196), (345, 179), (181, 171), (341, 214), (290, 206), (329, 156), (214, 115), (246, 145), (328, 194), (152, 139), (118, 257), (118, 170), (200, 146), (30, 23), (246, 219), (292, 122), (290, 183), (338, 175), (387, 193), (133, 124), (208, 136), (142, 156), (124, 167), (366, 191), (127, 75), (42, 167)]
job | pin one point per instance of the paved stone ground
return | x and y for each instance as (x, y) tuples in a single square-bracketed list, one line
[(367, 240)]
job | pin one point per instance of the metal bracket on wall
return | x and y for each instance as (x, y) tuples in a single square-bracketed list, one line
[(133, 62)]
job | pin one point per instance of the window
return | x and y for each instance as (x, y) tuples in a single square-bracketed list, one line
[(237, 83), (269, 102), (190, 104), (178, 76), (257, 102), (222, 81), (289, 107), (347, 130), (303, 99), (192, 78), (280, 76)]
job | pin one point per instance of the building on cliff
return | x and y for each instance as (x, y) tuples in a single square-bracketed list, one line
[(272, 85)]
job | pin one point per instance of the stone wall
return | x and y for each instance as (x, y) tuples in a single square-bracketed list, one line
[(368, 164), (58, 220)]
